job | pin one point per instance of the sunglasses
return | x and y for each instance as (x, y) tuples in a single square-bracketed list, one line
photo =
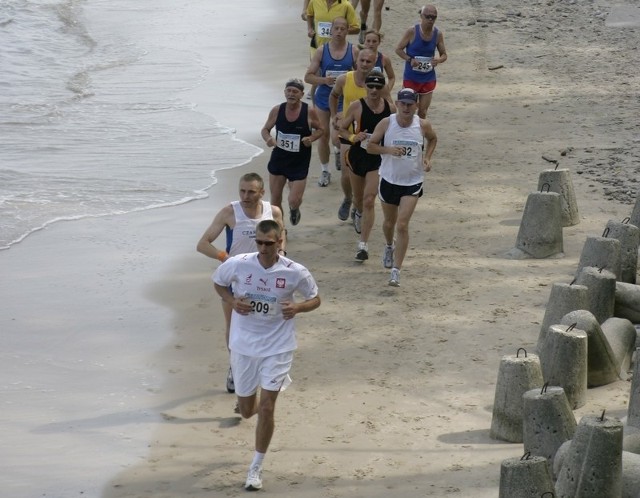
[(267, 243), (377, 87), (430, 16)]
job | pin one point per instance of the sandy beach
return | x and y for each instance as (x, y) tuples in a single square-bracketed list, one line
[(393, 387)]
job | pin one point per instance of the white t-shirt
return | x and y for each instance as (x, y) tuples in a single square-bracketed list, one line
[(242, 238), (264, 332), (408, 168)]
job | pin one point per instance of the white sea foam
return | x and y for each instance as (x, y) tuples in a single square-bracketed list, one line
[(92, 118)]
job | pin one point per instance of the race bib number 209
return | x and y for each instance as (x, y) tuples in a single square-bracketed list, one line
[(262, 304)]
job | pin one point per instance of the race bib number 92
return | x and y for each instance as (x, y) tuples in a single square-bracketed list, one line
[(410, 148)]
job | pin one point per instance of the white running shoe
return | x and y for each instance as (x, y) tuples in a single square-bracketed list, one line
[(387, 256), (231, 387), (254, 479), (325, 179), (357, 222), (363, 252), (394, 281)]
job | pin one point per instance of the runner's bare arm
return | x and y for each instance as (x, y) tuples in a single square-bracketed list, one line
[(317, 130), (224, 218), (268, 126), (374, 146), (432, 139)]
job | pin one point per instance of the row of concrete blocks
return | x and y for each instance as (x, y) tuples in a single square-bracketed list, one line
[(590, 465), (578, 353), (545, 214), (599, 458)]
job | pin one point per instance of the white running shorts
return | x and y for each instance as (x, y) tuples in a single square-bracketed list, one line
[(270, 373)]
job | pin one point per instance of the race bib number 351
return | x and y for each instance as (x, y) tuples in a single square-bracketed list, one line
[(288, 142)]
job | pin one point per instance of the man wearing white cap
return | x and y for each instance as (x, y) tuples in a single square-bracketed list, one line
[(404, 163)]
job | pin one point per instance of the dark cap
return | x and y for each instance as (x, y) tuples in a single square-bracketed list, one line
[(375, 78), (408, 96), (296, 83)]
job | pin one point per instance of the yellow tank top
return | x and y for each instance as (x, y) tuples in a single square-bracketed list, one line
[(351, 92)]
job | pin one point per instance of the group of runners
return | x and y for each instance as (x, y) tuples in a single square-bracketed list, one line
[(384, 146)]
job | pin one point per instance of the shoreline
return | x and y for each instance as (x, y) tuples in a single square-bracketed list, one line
[(392, 388)]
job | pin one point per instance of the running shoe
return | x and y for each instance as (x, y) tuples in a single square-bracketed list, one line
[(343, 211), (325, 179), (294, 216), (387, 256), (357, 222), (231, 387), (394, 281), (363, 252), (363, 30), (254, 479), (337, 159)]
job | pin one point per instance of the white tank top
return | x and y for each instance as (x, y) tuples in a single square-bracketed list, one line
[(406, 169), (242, 238)]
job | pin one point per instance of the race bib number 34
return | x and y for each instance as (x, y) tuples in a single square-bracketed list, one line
[(324, 29), (288, 142)]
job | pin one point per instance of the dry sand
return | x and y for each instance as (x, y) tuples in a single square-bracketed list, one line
[(393, 388)]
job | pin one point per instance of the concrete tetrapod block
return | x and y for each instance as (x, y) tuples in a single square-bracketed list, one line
[(563, 299), (635, 212), (627, 303), (602, 365), (602, 291), (630, 470), (633, 413), (559, 181), (600, 252), (540, 233), (629, 237), (547, 421), (563, 359), (592, 466), (517, 375), (526, 477), (631, 439), (621, 335)]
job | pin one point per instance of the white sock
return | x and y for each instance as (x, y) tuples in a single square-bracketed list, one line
[(325, 167), (257, 459)]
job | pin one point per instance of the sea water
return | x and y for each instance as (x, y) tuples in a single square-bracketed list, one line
[(93, 115)]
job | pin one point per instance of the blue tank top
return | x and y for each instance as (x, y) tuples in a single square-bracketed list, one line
[(379, 65), (423, 51), (332, 67)]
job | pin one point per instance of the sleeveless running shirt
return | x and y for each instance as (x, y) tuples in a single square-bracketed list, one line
[(406, 169), (368, 122), (332, 67), (422, 51), (242, 237), (290, 152)]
